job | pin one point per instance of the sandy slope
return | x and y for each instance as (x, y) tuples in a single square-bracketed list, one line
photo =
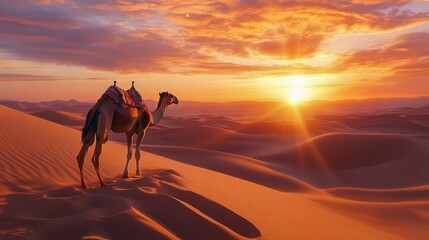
[(216, 138), (386, 123), (72, 106), (371, 160), (246, 168), (74, 120), (193, 194), (38, 162)]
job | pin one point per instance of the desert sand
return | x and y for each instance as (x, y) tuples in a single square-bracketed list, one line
[(356, 176)]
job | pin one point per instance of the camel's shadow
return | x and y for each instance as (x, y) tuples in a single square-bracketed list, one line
[(156, 206)]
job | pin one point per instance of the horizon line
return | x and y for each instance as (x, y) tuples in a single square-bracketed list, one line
[(237, 101)]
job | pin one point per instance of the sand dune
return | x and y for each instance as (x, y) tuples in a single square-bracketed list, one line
[(386, 123), (289, 128), (363, 160), (420, 193), (191, 193), (39, 158), (407, 223), (39, 153), (187, 121), (343, 151), (215, 138), (61, 117), (153, 207), (422, 119), (60, 105), (234, 165)]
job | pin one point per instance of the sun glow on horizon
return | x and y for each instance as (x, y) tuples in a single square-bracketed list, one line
[(297, 91), (297, 95)]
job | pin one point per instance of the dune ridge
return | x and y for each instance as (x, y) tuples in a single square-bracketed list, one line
[(372, 160), (415, 194), (386, 123), (246, 168), (61, 117)]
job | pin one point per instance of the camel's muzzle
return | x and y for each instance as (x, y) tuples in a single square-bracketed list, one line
[(175, 100)]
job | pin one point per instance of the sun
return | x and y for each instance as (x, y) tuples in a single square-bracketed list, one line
[(297, 89), (297, 95)]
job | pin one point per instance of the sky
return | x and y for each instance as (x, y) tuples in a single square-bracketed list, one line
[(215, 51)]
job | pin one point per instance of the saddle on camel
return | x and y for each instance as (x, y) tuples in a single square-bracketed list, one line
[(122, 112), (128, 98)]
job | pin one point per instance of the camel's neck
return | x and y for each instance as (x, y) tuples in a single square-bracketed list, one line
[(158, 114)]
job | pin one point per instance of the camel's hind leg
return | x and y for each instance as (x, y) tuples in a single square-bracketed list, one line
[(103, 127), (129, 154), (139, 141), (81, 156)]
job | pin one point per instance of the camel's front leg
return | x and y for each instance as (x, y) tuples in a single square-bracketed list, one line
[(139, 141), (129, 154)]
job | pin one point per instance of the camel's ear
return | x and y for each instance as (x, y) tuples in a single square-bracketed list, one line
[(160, 94)]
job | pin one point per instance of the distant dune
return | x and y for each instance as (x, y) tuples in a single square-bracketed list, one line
[(422, 119), (386, 123), (203, 136), (419, 193), (235, 165), (343, 151), (289, 127), (61, 117), (67, 106), (361, 160), (187, 121)]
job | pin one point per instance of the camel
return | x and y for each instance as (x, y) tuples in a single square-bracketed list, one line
[(107, 115)]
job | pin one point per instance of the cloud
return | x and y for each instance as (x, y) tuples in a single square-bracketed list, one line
[(26, 77), (8, 77), (399, 69), (407, 51), (186, 36), (70, 40), (294, 46)]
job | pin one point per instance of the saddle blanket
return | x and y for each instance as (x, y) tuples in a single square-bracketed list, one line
[(128, 98)]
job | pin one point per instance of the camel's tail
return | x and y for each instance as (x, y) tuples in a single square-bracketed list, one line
[(90, 124)]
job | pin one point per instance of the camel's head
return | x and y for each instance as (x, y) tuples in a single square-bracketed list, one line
[(170, 98)]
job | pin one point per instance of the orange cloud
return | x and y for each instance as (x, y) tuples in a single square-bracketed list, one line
[(407, 50), (189, 36), (294, 46)]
